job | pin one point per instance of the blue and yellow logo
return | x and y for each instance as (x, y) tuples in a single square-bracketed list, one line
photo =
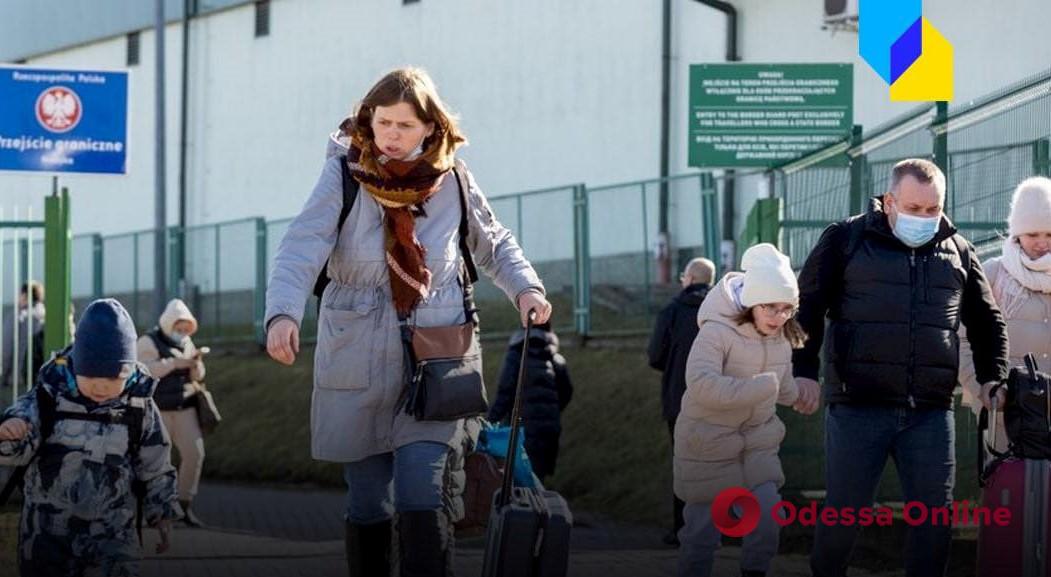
[(905, 49)]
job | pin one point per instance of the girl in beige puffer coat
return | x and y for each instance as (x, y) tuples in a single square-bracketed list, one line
[(728, 433)]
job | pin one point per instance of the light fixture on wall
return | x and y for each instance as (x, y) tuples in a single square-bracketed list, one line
[(841, 15)]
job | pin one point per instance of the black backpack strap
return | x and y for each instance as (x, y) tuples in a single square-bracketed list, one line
[(460, 170), (350, 196), (46, 415), (350, 193), (132, 419), (470, 270), (855, 232)]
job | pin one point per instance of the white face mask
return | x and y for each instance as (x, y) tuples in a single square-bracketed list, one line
[(179, 337)]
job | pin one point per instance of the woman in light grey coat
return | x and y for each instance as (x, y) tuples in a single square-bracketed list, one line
[(397, 255)]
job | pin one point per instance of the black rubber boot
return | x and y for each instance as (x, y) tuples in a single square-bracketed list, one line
[(188, 516), (368, 549), (425, 544)]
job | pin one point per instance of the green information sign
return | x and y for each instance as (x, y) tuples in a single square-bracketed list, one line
[(767, 114)]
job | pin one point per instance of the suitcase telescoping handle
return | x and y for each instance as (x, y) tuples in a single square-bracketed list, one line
[(1030, 365), (987, 422), (516, 418)]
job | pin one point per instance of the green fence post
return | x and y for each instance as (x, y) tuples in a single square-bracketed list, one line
[(941, 137), (857, 173), (1042, 157), (752, 231), (23, 255), (66, 281), (135, 274), (710, 218), (97, 269), (57, 249), (174, 257), (54, 340), (770, 221), (260, 279), (521, 226), (645, 249), (582, 262), (218, 284)]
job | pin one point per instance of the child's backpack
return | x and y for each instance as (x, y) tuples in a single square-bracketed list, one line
[(130, 416)]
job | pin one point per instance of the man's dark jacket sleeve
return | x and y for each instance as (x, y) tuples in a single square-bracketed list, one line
[(821, 275)]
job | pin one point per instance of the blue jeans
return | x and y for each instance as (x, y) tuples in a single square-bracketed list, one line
[(412, 478), (858, 440)]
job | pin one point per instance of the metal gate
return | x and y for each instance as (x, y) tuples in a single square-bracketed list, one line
[(28, 248)]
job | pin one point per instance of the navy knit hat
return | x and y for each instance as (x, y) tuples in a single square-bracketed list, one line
[(105, 340)]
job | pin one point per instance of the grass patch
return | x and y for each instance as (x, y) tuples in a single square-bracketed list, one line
[(615, 455), (265, 433)]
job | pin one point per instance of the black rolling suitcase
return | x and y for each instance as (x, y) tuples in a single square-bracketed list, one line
[(528, 533)]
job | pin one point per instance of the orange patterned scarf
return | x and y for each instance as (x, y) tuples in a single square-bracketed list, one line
[(401, 188)]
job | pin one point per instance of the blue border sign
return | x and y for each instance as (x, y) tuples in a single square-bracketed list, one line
[(63, 120)]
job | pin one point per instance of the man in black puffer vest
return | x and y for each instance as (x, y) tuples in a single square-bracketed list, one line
[(546, 392), (669, 348), (895, 285)]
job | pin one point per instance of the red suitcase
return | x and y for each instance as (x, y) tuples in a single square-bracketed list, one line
[(1021, 485)]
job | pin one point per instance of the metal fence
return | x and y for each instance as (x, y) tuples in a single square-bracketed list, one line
[(985, 148), (594, 248), (225, 275), (33, 251)]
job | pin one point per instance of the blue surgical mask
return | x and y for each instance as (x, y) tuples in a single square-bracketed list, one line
[(915, 231)]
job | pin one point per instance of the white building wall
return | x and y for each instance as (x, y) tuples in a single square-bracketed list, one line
[(551, 92)]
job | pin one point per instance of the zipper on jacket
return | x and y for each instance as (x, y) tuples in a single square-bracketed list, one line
[(926, 280), (912, 328)]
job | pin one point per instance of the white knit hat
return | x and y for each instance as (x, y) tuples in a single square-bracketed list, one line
[(768, 277), (1031, 207)]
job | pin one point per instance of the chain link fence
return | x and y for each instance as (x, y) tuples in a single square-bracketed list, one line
[(595, 248)]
